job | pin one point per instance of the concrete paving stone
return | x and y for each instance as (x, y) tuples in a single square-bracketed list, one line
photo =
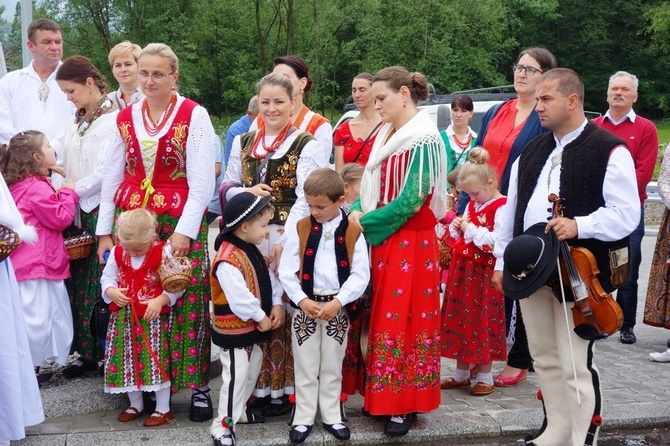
[(42, 440), (518, 421), (46, 428), (145, 437)]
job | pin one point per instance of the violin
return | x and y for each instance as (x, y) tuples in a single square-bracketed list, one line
[(596, 313)]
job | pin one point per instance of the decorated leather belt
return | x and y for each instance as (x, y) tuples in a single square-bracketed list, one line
[(325, 298)]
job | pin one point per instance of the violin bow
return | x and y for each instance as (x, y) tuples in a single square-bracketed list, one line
[(567, 325)]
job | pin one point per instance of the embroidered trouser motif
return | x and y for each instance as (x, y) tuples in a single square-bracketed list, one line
[(567, 422), (318, 352)]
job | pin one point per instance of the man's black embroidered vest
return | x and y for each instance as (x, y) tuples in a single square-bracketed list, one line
[(583, 168)]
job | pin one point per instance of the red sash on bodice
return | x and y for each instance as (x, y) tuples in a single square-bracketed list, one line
[(167, 189)]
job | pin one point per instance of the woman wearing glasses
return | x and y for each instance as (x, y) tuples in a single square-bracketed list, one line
[(505, 130), (161, 158)]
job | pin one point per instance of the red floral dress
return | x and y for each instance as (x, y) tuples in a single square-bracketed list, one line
[(403, 360), (473, 313)]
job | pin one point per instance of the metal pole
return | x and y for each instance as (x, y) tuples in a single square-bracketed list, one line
[(26, 18)]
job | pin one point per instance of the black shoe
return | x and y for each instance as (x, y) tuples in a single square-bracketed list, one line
[(394, 429), (627, 336), (253, 418), (225, 440), (76, 370), (149, 400), (298, 437), (275, 410), (197, 413), (668, 343), (340, 434)]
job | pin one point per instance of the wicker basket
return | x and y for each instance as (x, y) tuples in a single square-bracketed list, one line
[(79, 247), (9, 241), (175, 274), (445, 253)]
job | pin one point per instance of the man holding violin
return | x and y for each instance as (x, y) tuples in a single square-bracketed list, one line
[(593, 173)]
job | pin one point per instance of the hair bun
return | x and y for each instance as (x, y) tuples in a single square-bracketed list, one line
[(420, 84)]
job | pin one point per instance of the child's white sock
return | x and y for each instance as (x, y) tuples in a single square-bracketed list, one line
[(461, 375), (486, 378), (136, 400), (163, 400)]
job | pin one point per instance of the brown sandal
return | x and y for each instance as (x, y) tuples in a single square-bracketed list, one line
[(129, 414), (481, 389), (451, 383)]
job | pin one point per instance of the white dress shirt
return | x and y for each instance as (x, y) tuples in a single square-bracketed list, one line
[(242, 302), (630, 115), (325, 266), (614, 221), (199, 169), (21, 108)]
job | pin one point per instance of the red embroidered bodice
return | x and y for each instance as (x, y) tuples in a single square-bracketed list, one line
[(485, 218), (143, 283), (167, 189)]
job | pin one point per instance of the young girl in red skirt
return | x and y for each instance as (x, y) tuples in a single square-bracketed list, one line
[(137, 352), (473, 313)]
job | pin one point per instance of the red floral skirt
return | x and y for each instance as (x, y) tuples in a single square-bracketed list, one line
[(473, 314), (403, 360)]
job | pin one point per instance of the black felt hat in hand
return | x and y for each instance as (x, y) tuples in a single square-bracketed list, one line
[(241, 208), (529, 261)]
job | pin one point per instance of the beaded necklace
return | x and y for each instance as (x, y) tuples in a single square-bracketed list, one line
[(463, 145), (154, 128), (260, 139), (85, 120)]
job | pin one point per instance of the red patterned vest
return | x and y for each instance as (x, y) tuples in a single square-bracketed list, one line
[(485, 218), (228, 330), (167, 189), (143, 283)]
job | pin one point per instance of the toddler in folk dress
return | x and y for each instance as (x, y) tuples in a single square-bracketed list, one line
[(473, 313), (137, 349)]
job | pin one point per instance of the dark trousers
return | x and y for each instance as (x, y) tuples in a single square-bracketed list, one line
[(627, 295), (519, 355)]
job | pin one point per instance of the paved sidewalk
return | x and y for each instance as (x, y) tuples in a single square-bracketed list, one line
[(636, 393)]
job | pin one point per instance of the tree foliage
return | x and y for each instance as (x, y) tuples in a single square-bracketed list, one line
[(225, 46)]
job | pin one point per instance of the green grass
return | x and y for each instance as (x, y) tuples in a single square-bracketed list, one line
[(663, 140)]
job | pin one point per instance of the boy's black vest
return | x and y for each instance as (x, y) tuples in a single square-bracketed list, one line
[(583, 168), (309, 233)]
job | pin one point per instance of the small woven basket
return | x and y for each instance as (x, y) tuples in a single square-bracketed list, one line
[(79, 246), (9, 241), (175, 274), (444, 253)]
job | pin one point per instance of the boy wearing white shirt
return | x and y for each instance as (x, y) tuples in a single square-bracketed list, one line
[(315, 248), (247, 305)]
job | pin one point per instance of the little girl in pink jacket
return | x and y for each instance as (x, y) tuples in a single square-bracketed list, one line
[(41, 267)]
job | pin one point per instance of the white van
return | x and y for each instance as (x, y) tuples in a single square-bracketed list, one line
[(439, 106)]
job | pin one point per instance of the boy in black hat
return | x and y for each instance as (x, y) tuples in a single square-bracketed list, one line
[(247, 305), (324, 266)]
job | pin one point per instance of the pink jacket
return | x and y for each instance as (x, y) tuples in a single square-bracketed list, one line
[(50, 212)]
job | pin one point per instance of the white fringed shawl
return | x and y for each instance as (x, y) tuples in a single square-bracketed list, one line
[(420, 131)]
